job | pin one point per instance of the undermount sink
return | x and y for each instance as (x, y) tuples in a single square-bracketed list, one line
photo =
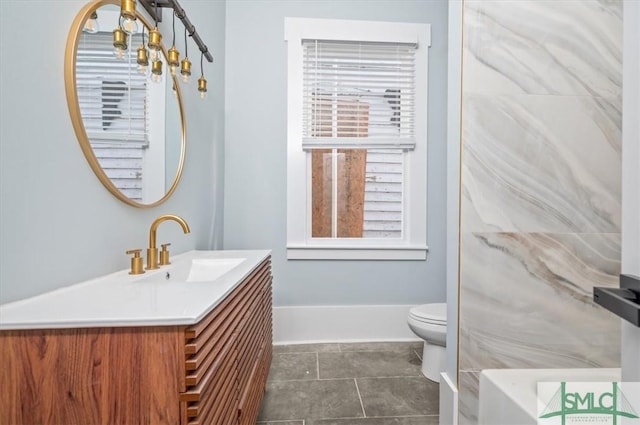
[(196, 270), (210, 269)]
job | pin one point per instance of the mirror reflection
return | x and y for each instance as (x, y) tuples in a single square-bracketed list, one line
[(134, 124)]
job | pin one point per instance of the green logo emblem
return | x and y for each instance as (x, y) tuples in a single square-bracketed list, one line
[(611, 403)]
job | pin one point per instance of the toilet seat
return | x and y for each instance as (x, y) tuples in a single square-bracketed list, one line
[(433, 314)]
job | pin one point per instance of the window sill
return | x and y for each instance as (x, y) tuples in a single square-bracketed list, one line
[(415, 253)]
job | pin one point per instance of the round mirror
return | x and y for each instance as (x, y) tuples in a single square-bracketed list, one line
[(131, 127)]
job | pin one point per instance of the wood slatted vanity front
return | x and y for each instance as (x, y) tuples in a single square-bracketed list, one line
[(213, 372)]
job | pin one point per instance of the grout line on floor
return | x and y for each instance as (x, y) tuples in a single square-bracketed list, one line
[(364, 414), (370, 377), (323, 379), (318, 366), (401, 416), (373, 417), (349, 377), (376, 350)]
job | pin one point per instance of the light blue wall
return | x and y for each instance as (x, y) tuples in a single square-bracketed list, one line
[(58, 225), (255, 155)]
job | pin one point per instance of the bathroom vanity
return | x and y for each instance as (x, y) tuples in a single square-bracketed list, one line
[(189, 343)]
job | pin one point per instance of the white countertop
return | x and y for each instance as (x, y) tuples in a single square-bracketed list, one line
[(120, 299)]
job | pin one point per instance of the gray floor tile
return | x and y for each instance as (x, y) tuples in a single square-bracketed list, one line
[(406, 396), (382, 346), (293, 366), (282, 423), (306, 348), (414, 420), (310, 400), (361, 364)]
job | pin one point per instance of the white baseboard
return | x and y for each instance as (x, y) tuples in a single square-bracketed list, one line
[(314, 324), (448, 400)]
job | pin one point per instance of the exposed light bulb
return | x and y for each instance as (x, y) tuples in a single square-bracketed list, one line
[(185, 78), (203, 95), (91, 25), (120, 53), (128, 21), (130, 26)]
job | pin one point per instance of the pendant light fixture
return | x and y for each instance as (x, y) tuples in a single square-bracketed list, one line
[(91, 25), (119, 42), (155, 39), (202, 82), (156, 70), (185, 64), (128, 20), (173, 59), (150, 55), (143, 57)]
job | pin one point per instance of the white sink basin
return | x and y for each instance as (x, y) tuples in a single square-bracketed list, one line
[(210, 269), (196, 270)]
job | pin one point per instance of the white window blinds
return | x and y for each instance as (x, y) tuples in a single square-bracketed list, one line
[(358, 95), (111, 93)]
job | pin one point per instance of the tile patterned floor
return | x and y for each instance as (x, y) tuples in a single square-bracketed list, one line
[(349, 384)]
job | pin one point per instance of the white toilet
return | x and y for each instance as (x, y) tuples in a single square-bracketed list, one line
[(429, 322)]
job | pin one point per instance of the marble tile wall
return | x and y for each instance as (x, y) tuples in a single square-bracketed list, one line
[(541, 192)]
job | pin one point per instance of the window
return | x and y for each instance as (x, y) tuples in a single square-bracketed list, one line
[(357, 139)]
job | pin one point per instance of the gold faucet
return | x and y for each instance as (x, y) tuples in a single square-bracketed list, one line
[(152, 252)]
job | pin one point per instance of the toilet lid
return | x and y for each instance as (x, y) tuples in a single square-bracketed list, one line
[(432, 313)]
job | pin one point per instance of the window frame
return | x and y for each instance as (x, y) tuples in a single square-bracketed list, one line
[(300, 244)]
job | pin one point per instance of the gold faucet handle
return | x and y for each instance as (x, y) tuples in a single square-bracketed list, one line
[(164, 254), (136, 261)]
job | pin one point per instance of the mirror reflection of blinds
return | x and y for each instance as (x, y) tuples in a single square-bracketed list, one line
[(358, 95), (112, 94)]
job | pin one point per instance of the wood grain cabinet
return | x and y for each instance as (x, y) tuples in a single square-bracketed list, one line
[(213, 372)]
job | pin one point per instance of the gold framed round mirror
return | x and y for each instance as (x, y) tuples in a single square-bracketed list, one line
[(131, 129)]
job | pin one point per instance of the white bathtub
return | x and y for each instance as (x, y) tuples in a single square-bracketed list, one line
[(509, 396)]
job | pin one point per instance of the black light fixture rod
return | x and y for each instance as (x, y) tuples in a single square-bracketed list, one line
[(149, 6)]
